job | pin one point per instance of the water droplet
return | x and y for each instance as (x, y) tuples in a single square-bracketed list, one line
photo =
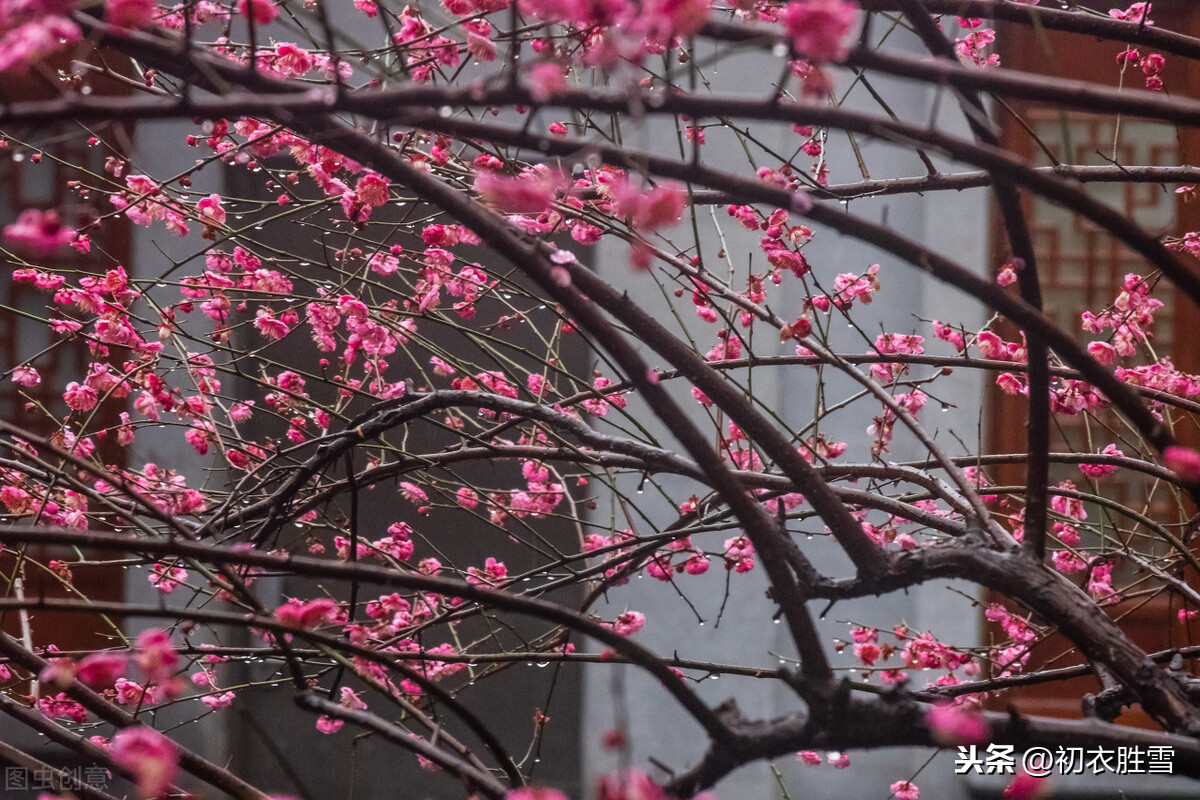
[(779, 50), (777, 622), (713, 677), (543, 664), (445, 111)]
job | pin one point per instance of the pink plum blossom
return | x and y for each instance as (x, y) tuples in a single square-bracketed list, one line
[(150, 756)]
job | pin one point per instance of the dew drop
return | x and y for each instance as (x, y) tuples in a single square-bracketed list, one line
[(445, 111), (779, 50)]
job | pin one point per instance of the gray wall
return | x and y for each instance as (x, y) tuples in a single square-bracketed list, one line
[(951, 223)]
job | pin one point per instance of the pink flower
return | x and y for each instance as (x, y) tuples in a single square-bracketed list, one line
[(650, 209), (328, 725), (1103, 352), (80, 397), (413, 493), (167, 578), (544, 80), (129, 13), (629, 623), (101, 670), (663, 18), (220, 700), (1183, 461), (817, 27), (1135, 13), (29, 43), (808, 757), (372, 189), (264, 12), (530, 193), (38, 231), (467, 497), (307, 615), (63, 707), (952, 725), (150, 756), (1100, 470), (26, 375), (155, 655), (905, 790), (210, 208), (1067, 562)]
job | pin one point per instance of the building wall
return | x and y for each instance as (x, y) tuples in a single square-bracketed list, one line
[(952, 223)]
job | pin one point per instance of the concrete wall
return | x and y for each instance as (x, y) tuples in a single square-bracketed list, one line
[(951, 223)]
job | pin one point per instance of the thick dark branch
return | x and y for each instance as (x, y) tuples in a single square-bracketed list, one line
[(899, 722)]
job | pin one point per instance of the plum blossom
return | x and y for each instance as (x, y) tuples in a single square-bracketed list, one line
[(102, 669), (211, 210), (150, 756), (1183, 461), (26, 376), (818, 28), (530, 193), (263, 12), (629, 623), (24, 45), (300, 614), (40, 232), (951, 725)]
